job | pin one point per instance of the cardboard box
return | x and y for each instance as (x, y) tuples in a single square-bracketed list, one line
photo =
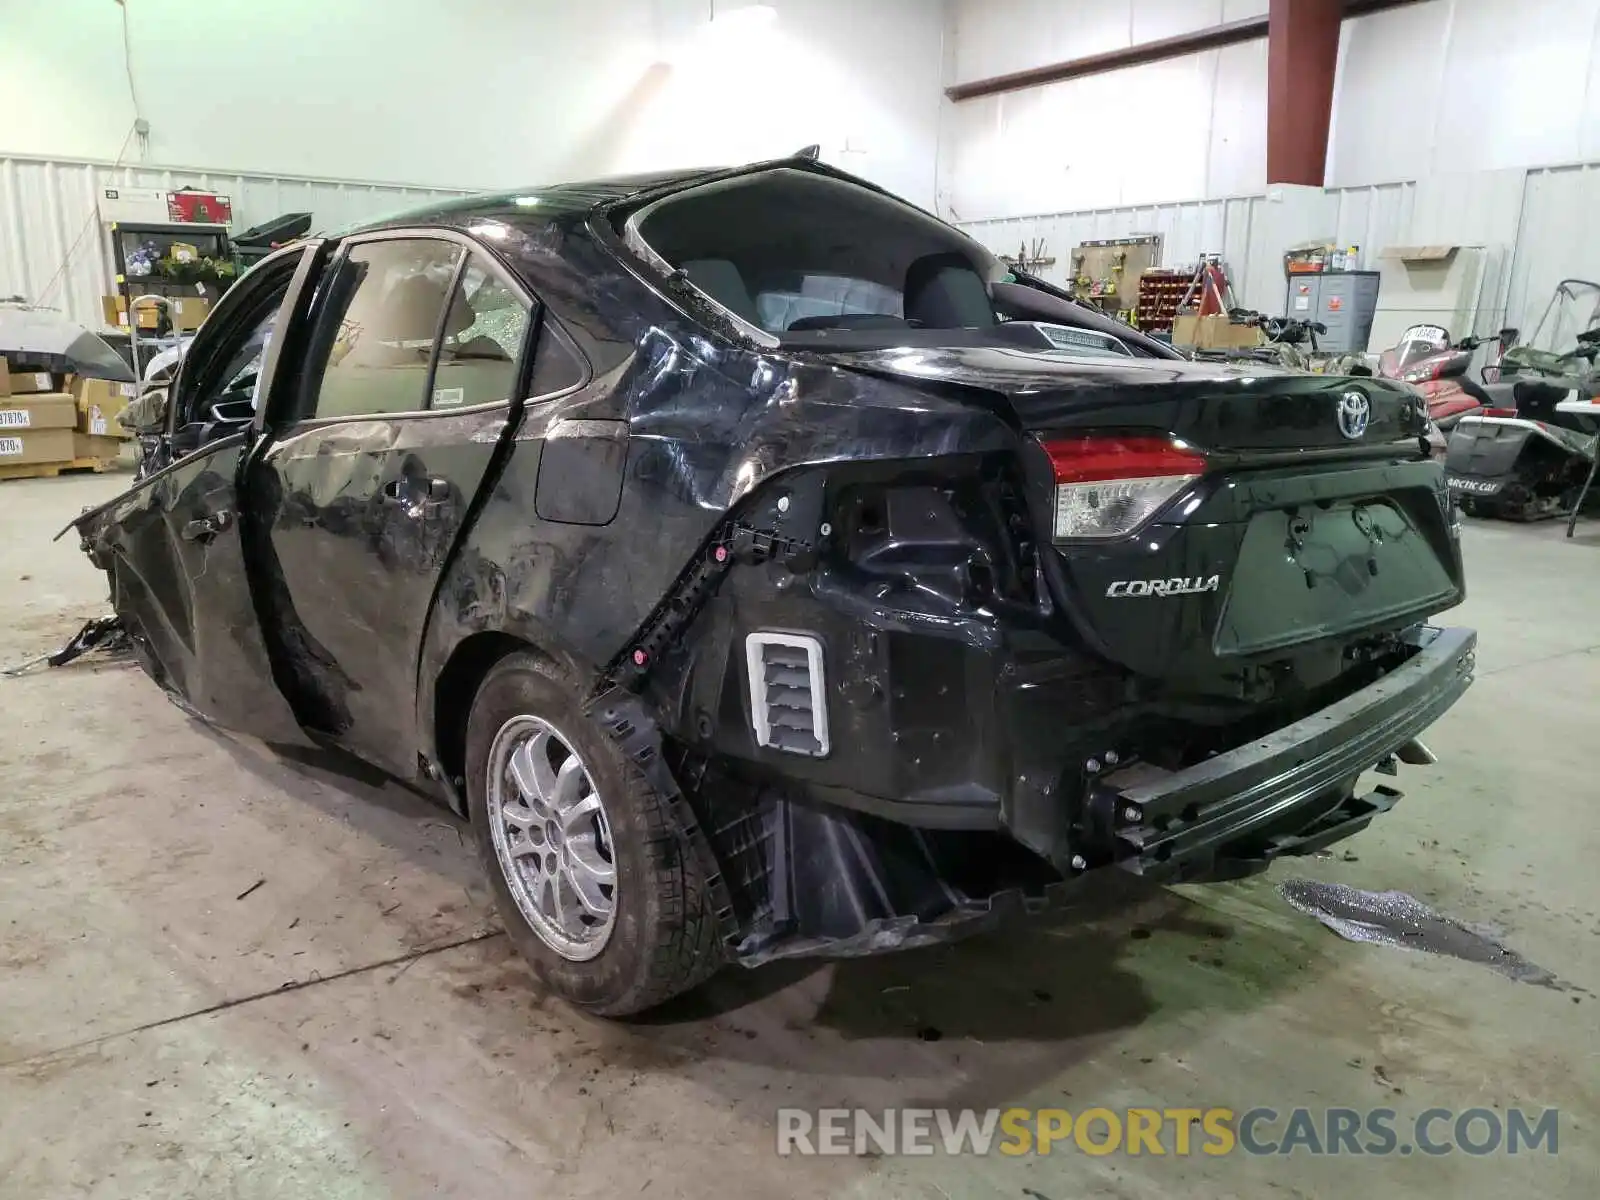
[(28, 382), (88, 446), (114, 309), (5, 378), (45, 410), (97, 405), (38, 446), (1213, 333), (1430, 254), (188, 312), (32, 447)]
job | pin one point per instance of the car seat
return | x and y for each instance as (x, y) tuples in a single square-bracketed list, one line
[(943, 291)]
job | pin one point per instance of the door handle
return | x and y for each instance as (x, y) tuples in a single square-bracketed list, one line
[(203, 529)]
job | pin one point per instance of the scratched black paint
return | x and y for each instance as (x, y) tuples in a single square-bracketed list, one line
[(378, 565)]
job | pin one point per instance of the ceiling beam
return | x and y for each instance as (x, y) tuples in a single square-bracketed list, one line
[(1230, 33)]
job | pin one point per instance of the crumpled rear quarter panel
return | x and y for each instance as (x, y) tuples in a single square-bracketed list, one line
[(708, 422)]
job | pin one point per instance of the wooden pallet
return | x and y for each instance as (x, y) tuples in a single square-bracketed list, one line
[(49, 470)]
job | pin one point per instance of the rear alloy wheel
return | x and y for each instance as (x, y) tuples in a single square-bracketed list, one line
[(552, 838), (597, 889)]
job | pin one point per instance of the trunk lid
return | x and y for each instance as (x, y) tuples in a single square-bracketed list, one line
[(1216, 406), (1315, 521)]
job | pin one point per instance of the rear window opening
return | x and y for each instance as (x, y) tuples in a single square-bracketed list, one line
[(791, 252), (807, 260)]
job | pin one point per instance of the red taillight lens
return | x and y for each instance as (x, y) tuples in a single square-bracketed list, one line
[(1108, 486), (1499, 412)]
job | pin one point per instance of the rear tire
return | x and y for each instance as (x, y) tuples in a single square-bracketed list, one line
[(655, 936)]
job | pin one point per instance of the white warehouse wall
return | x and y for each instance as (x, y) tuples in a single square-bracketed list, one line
[(1184, 129), (477, 93), (1442, 87), (1466, 85)]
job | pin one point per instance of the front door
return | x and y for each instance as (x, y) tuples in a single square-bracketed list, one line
[(172, 550), (409, 385), (174, 546)]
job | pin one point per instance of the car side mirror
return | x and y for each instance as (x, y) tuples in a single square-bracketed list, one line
[(226, 417), (232, 412)]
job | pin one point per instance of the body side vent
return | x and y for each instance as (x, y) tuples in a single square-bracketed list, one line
[(788, 703)]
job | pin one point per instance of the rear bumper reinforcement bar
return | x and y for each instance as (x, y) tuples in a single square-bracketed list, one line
[(1185, 819)]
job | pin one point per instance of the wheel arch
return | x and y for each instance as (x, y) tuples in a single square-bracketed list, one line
[(447, 703)]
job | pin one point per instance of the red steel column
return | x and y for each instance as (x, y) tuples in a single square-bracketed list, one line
[(1302, 52)]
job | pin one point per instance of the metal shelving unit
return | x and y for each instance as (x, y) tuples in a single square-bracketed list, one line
[(211, 241)]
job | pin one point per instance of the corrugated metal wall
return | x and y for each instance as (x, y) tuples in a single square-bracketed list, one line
[(1187, 231), (1557, 243), (48, 218), (1476, 208), (1532, 224)]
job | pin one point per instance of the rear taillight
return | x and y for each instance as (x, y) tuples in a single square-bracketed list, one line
[(1109, 486), (1499, 412)]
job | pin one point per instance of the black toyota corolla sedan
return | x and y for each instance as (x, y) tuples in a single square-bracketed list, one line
[(764, 569)]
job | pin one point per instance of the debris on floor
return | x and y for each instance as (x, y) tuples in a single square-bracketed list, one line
[(1397, 919), (105, 634)]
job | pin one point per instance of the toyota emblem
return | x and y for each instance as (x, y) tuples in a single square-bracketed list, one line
[(1355, 410)]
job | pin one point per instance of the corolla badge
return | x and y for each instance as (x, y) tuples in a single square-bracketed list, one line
[(1355, 410), (1163, 587)]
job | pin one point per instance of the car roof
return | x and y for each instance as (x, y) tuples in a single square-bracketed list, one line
[(550, 201), (564, 202)]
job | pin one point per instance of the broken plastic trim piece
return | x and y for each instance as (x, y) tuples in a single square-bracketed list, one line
[(730, 543), (102, 633)]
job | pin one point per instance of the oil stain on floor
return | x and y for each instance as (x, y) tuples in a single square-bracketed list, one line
[(1398, 919)]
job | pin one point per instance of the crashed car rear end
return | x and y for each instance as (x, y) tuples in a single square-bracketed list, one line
[(862, 594), (1160, 619)]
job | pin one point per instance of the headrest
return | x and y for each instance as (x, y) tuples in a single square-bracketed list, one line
[(409, 311), (943, 291)]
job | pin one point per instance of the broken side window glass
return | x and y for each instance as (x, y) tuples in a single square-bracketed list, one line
[(483, 337)]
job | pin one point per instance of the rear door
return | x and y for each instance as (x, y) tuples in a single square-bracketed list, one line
[(410, 383)]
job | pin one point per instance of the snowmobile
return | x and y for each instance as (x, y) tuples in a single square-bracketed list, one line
[(1519, 458), (1437, 366)]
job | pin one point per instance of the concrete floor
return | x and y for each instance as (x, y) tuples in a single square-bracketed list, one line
[(355, 1026)]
